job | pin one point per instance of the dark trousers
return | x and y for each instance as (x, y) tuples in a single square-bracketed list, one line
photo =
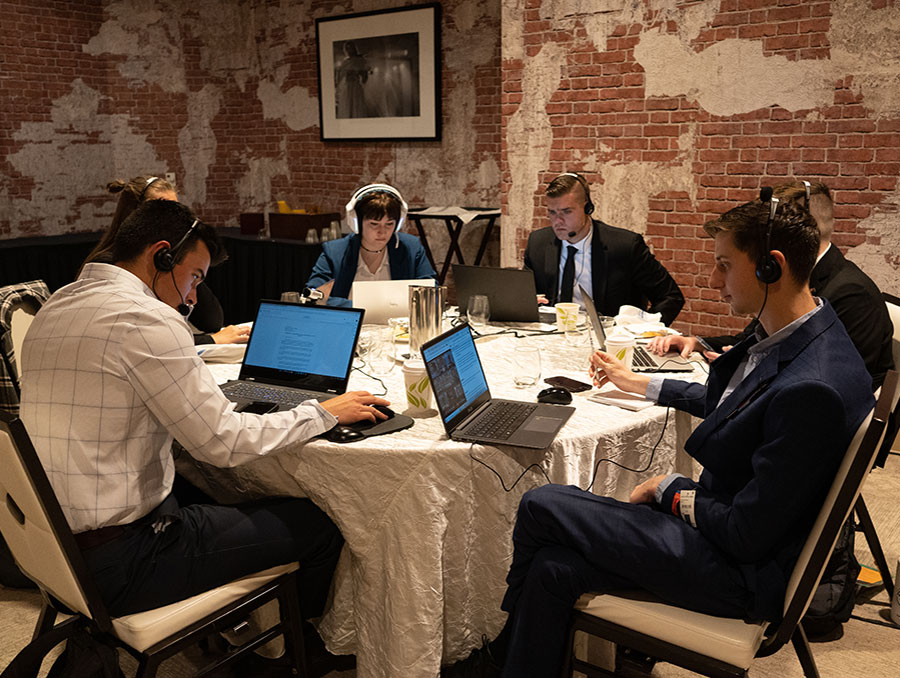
[(568, 542), (205, 546)]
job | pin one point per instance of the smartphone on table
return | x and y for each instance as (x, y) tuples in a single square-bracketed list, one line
[(571, 385)]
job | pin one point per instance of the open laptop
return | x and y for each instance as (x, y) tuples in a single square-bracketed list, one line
[(295, 353), (644, 360), (467, 409), (510, 291), (384, 299)]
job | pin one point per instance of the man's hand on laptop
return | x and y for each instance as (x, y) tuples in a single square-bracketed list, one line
[(674, 342), (605, 367), (355, 406), (542, 300)]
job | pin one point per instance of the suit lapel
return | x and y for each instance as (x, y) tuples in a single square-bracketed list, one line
[(598, 267), (551, 264), (755, 383), (825, 269)]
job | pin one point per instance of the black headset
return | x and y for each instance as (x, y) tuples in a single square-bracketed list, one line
[(166, 258), (768, 270), (589, 205)]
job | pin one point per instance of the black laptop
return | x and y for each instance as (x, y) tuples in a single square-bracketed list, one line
[(296, 353), (643, 360), (510, 291), (464, 400)]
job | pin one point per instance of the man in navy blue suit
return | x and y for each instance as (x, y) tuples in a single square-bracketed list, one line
[(779, 410)]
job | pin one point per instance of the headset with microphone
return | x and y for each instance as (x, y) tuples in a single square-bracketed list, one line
[(589, 204), (353, 219), (768, 270), (165, 261)]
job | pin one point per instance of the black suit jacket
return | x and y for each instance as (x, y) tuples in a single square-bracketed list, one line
[(858, 303), (623, 271)]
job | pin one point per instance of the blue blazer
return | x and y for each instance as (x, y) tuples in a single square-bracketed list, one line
[(340, 259), (770, 451)]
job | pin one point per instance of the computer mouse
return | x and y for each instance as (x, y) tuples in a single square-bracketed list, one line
[(555, 395), (385, 410), (344, 434)]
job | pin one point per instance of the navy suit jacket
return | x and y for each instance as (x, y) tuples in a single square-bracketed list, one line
[(859, 305), (771, 449), (340, 259), (623, 271)]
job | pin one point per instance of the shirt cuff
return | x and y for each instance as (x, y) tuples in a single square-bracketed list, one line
[(327, 419), (664, 485), (654, 387)]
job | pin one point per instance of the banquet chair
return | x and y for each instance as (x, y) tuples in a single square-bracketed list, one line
[(721, 647), (33, 524)]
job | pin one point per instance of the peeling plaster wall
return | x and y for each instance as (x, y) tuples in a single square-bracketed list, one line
[(225, 95), (676, 112)]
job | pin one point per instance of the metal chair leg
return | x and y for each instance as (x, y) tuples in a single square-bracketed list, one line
[(804, 653), (868, 529)]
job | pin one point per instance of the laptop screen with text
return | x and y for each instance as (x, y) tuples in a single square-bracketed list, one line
[(457, 378)]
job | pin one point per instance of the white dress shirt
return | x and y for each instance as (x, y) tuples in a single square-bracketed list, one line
[(582, 256), (110, 377)]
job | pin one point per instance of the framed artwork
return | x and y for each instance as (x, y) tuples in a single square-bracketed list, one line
[(380, 75)]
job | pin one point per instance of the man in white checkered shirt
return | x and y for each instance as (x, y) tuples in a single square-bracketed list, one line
[(111, 377)]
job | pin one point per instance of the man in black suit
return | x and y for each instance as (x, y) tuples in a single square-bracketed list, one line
[(856, 299), (614, 263)]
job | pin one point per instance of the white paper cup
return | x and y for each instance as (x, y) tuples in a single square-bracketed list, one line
[(622, 347), (566, 316), (418, 387)]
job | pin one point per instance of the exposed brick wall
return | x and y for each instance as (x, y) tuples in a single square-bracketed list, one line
[(225, 96), (604, 122)]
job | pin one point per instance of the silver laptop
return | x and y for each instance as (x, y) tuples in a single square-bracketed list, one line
[(295, 353), (510, 291), (384, 299), (644, 360), (464, 400)]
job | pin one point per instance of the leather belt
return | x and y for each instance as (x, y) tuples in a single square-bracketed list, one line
[(104, 535)]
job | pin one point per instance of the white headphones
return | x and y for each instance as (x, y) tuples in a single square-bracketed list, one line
[(353, 219)]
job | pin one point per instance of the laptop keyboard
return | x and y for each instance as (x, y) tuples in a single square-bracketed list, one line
[(271, 394), (642, 358), (500, 420)]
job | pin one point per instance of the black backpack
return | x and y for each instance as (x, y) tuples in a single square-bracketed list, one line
[(833, 600)]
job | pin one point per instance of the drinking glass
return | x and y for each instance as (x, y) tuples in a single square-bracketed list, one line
[(526, 366), (478, 310), (381, 351)]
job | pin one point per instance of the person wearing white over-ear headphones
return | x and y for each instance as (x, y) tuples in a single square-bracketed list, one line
[(375, 249)]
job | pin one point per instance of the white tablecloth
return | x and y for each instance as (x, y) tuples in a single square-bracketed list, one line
[(427, 528)]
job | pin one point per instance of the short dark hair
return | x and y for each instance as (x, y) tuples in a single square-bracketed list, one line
[(377, 205), (157, 220), (565, 184), (821, 206), (794, 233)]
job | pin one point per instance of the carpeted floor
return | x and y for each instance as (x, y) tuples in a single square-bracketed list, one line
[(870, 645)]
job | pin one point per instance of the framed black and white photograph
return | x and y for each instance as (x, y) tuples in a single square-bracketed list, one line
[(380, 75)]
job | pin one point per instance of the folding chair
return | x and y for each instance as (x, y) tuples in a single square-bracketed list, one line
[(721, 647), (44, 547)]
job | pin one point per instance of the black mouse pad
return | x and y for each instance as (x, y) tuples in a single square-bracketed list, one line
[(398, 422)]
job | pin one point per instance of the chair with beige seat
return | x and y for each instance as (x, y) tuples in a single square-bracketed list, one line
[(721, 647), (39, 537)]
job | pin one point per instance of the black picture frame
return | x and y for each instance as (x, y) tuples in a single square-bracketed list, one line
[(380, 75)]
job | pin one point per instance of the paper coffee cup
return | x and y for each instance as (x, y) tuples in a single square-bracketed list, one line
[(418, 387), (622, 347), (566, 316)]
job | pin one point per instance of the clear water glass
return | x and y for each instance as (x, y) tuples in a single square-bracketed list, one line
[(478, 310), (526, 366)]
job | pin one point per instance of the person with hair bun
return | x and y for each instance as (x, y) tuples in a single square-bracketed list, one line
[(207, 314)]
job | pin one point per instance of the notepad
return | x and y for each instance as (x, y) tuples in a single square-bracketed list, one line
[(610, 395)]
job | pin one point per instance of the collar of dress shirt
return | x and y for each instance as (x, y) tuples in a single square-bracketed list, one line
[(581, 245), (117, 274), (824, 252)]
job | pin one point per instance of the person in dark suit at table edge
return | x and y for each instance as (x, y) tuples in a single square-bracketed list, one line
[(854, 296), (375, 249), (778, 410), (614, 263)]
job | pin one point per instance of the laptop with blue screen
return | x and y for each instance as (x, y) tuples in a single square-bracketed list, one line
[(296, 353), (464, 400)]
